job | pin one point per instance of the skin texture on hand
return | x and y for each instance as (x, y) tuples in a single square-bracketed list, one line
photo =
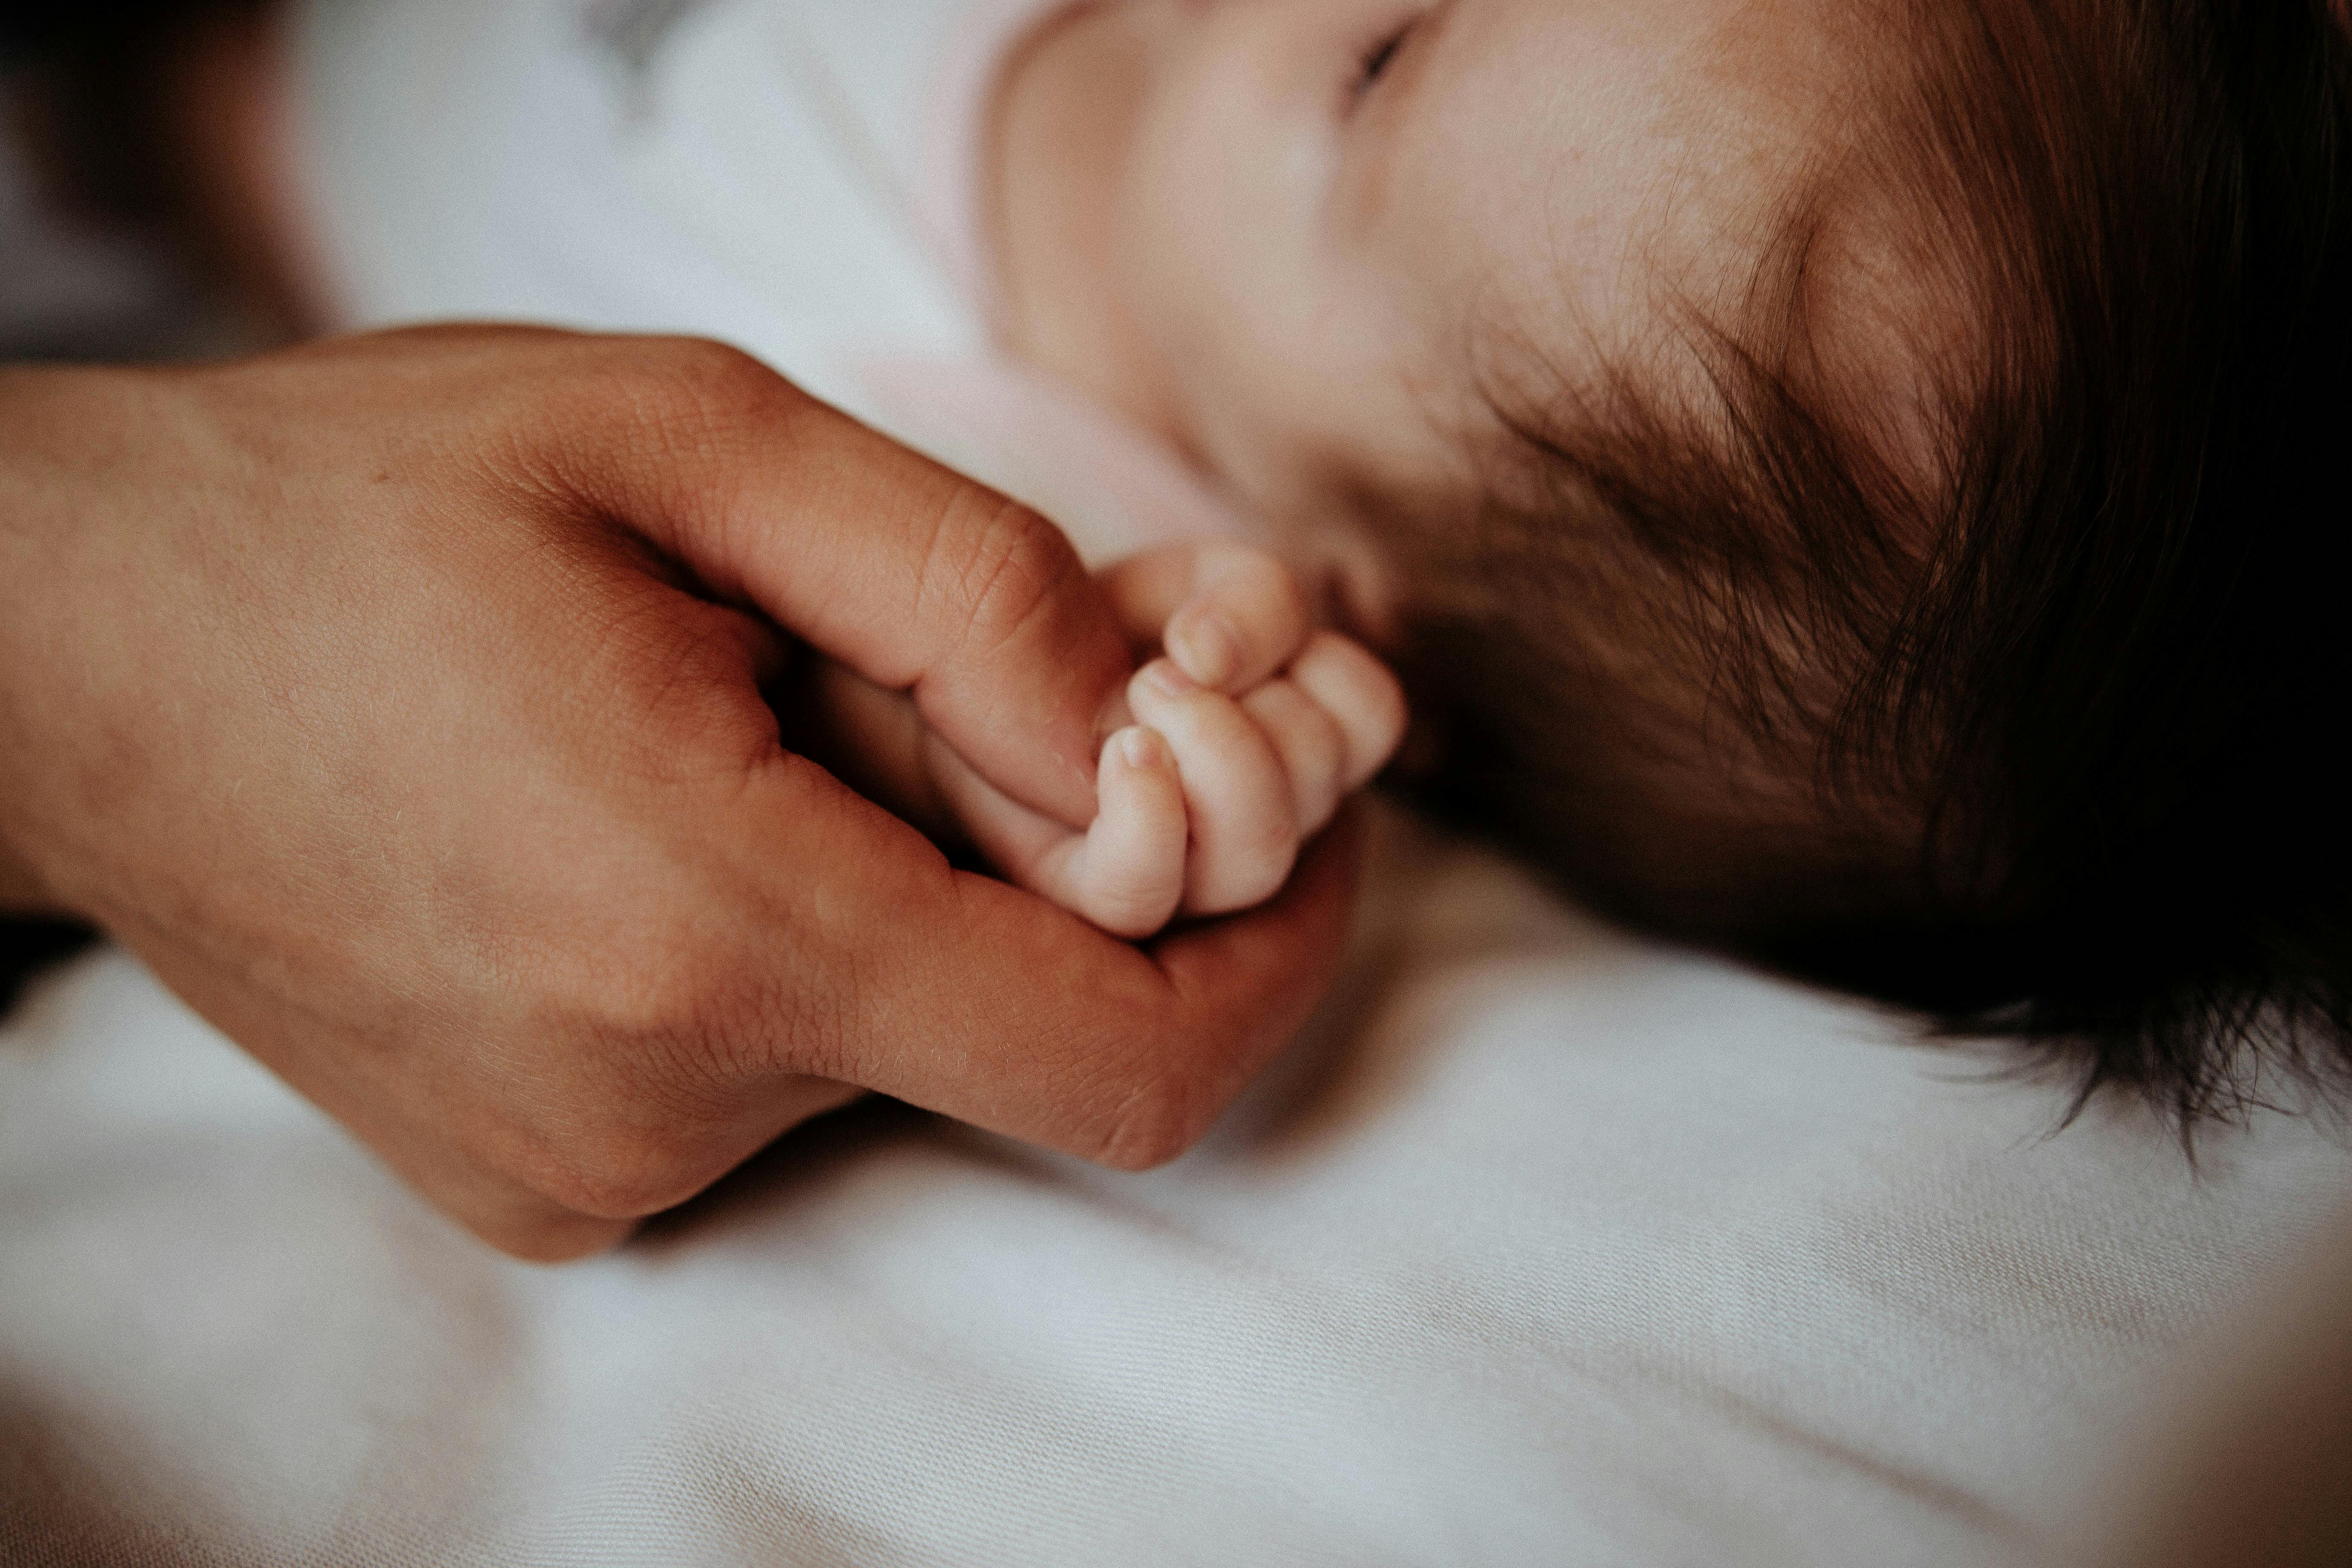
[(399, 699), (19, 893), (1252, 725)]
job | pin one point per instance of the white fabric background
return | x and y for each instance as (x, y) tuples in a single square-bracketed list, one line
[(1543, 1247)]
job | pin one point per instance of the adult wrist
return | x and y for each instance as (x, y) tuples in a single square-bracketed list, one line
[(30, 481), (21, 892)]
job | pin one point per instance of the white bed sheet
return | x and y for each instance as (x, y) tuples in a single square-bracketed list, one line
[(1544, 1247)]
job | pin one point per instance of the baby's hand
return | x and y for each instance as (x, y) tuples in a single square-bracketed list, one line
[(1250, 726)]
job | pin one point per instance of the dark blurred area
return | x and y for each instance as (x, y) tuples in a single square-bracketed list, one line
[(29, 27), (113, 113), (27, 947)]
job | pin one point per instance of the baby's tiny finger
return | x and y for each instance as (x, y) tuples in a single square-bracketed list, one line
[(1244, 832), (1361, 695), (1244, 619), (1313, 750), (1127, 874)]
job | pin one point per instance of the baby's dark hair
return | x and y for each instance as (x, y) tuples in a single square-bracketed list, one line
[(2051, 651)]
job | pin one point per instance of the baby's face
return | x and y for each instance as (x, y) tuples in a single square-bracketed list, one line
[(1300, 239)]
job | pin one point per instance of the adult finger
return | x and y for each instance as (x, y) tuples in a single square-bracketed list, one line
[(971, 997), (916, 577), (1129, 1054)]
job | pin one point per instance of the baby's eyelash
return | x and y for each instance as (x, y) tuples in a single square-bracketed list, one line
[(1376, 59)]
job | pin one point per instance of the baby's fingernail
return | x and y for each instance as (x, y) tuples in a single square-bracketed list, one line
[(1162, 676), (1205, 644), (1140, 747)]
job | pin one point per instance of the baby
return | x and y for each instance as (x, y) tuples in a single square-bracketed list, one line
[(1850, 482), (1842, 480)]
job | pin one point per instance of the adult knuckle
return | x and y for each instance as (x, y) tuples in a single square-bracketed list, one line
[(649, 986), (689, 706), (1158, 1120), (706, 368), (632, 1147), (1003, 563), (560, 1238), (704, 1006), (584, 1153), (610, 1172), (697, 365), (695, 390), (635, 1054)]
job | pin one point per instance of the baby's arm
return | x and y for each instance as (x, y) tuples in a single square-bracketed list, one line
[(1239, 736)]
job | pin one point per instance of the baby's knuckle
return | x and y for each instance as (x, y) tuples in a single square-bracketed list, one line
[(1265, 575), (1267, 836), (1384, 699), (1290, 595), (1232, 559), (1315, 738), (1233, 891)]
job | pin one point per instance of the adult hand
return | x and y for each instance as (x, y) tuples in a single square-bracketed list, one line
[(399, 701)]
